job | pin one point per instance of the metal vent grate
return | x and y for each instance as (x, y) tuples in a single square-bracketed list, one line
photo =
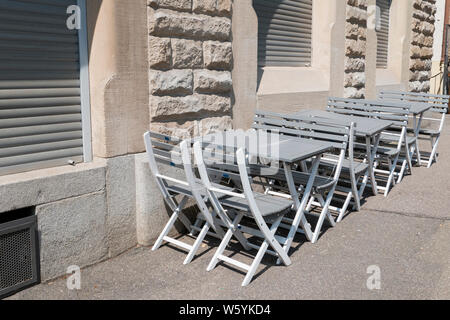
[(19, 256), (15, 264)]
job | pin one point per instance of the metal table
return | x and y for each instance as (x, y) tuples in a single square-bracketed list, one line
[(368, 128), (288, 150)]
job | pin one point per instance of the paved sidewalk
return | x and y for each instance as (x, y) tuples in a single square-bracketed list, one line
[(406, 235)]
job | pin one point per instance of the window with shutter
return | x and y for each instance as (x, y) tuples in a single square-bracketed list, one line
[(43, 89), (382, 29), (284, 32)]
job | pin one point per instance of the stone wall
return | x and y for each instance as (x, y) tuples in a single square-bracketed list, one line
[(191, 58), (355, 49), (422, 29)]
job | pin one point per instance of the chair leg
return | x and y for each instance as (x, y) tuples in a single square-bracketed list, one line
[(355, 194), (310, 203), (197, 244), (344, 207), (325, 213), (433, 153), (224, 243), (169, 225), (262, 250), (402, 171), (417, 151), (251, 272), (220, 250), (392, 166), (408, 157), (197, 224)]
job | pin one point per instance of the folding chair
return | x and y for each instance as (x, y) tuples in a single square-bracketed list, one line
[(390, 143), (261, 208), (440, 109), (340, 135), (164, 150)]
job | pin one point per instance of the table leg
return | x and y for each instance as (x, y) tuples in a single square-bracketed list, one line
[(300, 206), (416, 133), (371, 153)]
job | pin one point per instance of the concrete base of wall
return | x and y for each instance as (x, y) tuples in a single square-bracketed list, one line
[(90, 212)]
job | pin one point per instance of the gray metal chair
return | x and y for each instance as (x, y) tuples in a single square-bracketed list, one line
[(165, 151), (264, 209), (439, 108)]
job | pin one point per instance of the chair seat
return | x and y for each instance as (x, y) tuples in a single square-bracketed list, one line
[(331, 161), (429, 132), (391, 138), (267, 204), (184, 190), (381, 150)]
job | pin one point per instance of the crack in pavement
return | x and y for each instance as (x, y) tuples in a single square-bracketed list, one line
[(409, 215)]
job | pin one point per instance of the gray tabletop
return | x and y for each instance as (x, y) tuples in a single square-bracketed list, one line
[(276, 147), (364, 126), (418, 108)]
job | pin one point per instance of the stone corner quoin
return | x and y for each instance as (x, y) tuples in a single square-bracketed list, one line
[(422, 27), (190, 59)]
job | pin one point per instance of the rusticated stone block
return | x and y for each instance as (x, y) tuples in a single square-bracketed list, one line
[(173, 82), (356, 15), (419, 75), (354, 31), (355, 48), (218, 55), (418, 86), (170, 23), (354, 93), (224, 7), (165, 108), (206, 81), (355, 79), (204, 6), (182, 5), (193, 128), (160, 53), (354, 64), (417, 39), (187, 54)]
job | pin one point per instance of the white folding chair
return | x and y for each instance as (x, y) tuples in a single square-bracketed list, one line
[(439, 108), (338, 133), (263, 209), (164, 150)]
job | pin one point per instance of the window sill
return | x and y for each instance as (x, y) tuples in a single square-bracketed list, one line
[(284, 80), (387, 77)]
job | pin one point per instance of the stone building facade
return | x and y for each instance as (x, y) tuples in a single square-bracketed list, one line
[(355, 49), (422, 28), (190, 66), (186, 67)]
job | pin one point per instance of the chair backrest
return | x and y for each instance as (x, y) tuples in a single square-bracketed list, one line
[(439, 102), (214, 191), (164, 150), (195, 187), (397, 113), (340, 134)]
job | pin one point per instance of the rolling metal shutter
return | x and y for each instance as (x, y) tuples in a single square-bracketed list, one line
[(382, 29), (40, 99), (284, 32)]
